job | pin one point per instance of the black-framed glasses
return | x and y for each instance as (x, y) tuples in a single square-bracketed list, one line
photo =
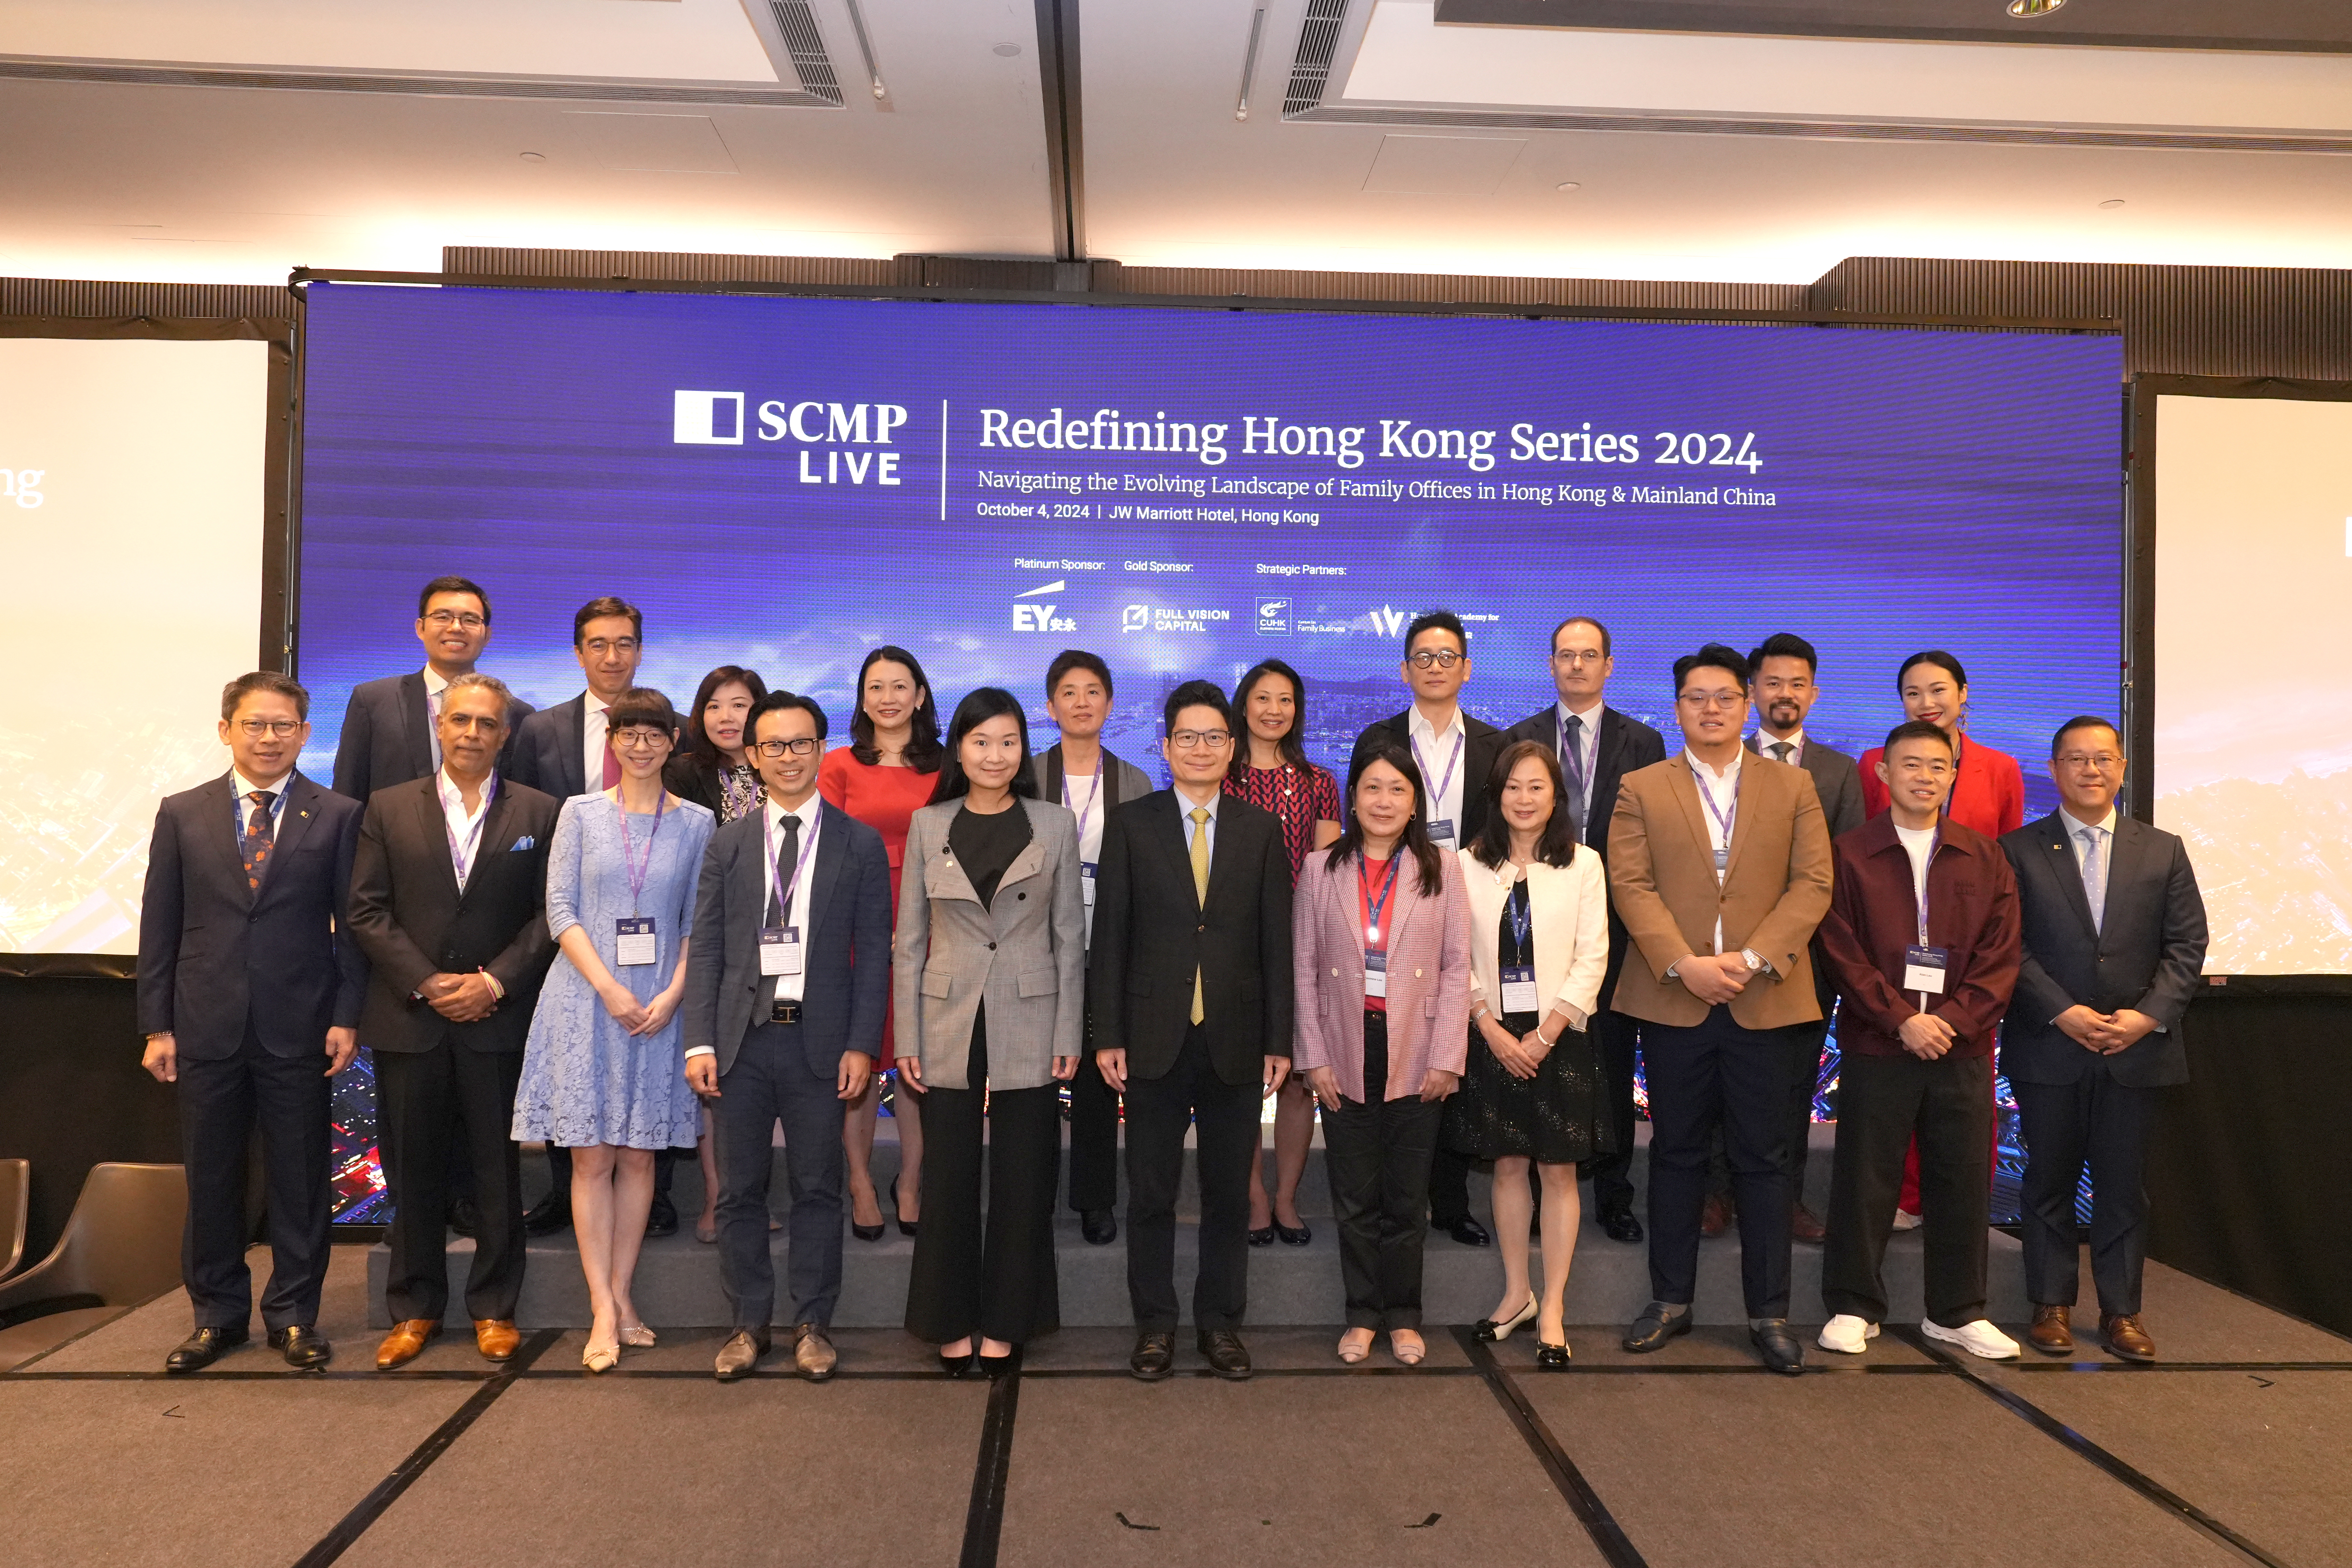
[(1194, 740), (462, 618), (640, 740), (801, 746), (1435, 659), (257, 728)]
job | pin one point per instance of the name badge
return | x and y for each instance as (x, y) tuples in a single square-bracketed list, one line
[(1722, 862), (1086, 881), (1442, 832), (1923, 969), (1519, 991), (779, 950), (635, 942), (1376, 974)]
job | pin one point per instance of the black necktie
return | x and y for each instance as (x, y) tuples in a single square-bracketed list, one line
[(1572, 757), (260, 832), (787, 858)]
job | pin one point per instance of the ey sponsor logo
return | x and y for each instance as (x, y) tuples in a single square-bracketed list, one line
[(839, 443), (1273, 615), (1039, 616)]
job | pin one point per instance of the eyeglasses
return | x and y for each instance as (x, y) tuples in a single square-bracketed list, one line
[(640, 740), (600, 646), (799, 747), (2105, 762), (257, 728), (1713, 699), (445, 619), (1573, 657), (1435, 659), (1192, 740)]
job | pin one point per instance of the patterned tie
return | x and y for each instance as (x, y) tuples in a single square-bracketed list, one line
[(1199, 890), (258, 833), (1781, 750), (1572, 765), (2095, 877)]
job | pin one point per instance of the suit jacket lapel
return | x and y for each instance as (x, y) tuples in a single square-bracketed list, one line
[(2069, 872), (576, 727), (416, 721), (292, 823), (1173, 843), (2127, 852), (1686, 787), (824, 872), (434, 826), (494, 821)]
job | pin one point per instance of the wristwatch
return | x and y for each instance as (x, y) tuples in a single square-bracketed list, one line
[(1754, 960)]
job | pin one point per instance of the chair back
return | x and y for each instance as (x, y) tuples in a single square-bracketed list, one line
[(15, 1211), (122, 1243)]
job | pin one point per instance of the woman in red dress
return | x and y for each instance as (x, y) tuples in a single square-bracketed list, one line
[(882, 778), (1271, 770)]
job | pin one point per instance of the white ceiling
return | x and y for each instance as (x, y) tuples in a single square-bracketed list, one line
[(165, 180)]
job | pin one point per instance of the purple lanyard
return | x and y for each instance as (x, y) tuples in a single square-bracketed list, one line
[(461, 854), (636, 869), (1437, 796), (1927, 869), (808, 847), (1092, 796), (1723, 819)]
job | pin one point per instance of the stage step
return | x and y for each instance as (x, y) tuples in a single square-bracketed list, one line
[(678, 1276)]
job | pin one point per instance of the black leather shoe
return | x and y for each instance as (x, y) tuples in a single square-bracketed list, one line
[(206, 1346), (1224, 1350), (995, 1366), (1652, 1329), (1551, 1358), (1619, 1225), (957, 1365), (548, 1216), (1293, 1235), (465, 1219), (1154, 1357), (1262, 1237), (662, 1218), (302, 1346), (1467, 1231), (866, 1232), (1099, 1226), (1781, 1351)]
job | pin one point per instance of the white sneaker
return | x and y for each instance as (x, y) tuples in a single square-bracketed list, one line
[(1847, 1334), (1905, 1221), (1980, 1338)]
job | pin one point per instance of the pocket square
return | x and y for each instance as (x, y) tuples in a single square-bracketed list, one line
[(525, 842)]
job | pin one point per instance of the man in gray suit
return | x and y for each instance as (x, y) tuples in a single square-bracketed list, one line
[(2115, 941), (1783, 683), (787, 980)]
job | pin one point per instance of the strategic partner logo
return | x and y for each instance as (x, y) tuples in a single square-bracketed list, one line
[(1040, 617), (1273, 617), (1387, 622)]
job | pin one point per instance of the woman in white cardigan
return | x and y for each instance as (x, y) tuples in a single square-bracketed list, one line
[(1534, 1089)]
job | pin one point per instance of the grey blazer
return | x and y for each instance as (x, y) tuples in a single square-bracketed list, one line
[(1837, 779), (1024, 954)]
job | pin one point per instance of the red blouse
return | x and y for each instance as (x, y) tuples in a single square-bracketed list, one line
[(1300, 800)]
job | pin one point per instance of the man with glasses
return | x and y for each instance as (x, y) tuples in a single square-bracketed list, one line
[(2115, 941), (787, 979), (389, 729), (1597, 746), (1455, 753), (1720, 870), (1188, 986), (245, 981)]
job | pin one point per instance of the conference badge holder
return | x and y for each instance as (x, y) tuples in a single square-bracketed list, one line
[(636, 941), (1924, 968), (1441, 833), (1520, 990), (1376, 974), (779, 950)]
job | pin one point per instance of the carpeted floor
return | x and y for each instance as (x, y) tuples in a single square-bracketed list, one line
[(2237, 1448)]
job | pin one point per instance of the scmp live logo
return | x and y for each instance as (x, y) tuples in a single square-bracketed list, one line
[(716, 419)]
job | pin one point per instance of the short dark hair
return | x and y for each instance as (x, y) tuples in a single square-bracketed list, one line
[(1714, 656), (978, 708), (1917, 729), (1194, 694), (1437, 621), (245, 686), (1556, 845), (453, 585), (473, 680), (2079, 721), (699, 743), (640, 705), (597, 609), (1415, 841), (922, 753), (1936, 656), (1785, 645), (1292, 747), (778, 702), (1568, 621), (1071, 658)]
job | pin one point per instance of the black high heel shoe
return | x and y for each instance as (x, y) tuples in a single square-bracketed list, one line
[(957, 1365), (1262, 1237), (996, 1366), (866, 1232), (906, 1227), (1293, 1235)]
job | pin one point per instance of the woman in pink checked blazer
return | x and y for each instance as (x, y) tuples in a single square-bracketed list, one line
[(1381, 949)]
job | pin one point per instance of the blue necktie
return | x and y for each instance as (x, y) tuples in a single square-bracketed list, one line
[(1572, 747), (2095, 877)]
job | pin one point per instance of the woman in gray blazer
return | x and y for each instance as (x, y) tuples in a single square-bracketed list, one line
[(988, 978)]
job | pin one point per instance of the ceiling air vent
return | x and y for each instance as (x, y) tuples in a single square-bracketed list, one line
[(797, 25), (1319, 41)]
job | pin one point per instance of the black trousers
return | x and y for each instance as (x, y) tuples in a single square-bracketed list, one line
[(1225, 1115), (993, 1276), (1615, 1036), (1884, 1102), (1378, 1154), (1808, 1046), (1718, 1073), (771, 1081), (1094, 1135), (221, 1103), (428, 1101), (2093, 1120)]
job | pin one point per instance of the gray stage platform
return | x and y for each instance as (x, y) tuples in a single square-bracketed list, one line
[(678, 1279)]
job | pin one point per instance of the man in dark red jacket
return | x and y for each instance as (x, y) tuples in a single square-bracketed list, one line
[(1922, 941)]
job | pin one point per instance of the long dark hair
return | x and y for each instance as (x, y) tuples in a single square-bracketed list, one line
[(923, 752), (977, 708), (1293, 749), (1556, 845), (700, 745), (1415, 838)]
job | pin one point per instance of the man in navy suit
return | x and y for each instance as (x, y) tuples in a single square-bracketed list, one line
[(388, 729), (243, 985), (787, 980), (2115, 941)]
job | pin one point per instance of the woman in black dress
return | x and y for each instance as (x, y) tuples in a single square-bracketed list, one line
[(1539, 947)]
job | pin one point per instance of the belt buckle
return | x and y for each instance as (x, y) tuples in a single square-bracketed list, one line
[(784, 1013)]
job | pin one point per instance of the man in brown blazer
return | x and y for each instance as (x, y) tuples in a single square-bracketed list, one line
[(1720, 868)]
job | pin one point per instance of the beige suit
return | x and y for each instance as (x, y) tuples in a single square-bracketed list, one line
[(1774, 890)]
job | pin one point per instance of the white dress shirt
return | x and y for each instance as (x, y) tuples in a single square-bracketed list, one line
[(1586, 754), (1795, 740), (1082, 793), (1433, 752), (465, 826), (244, 787), (1723, 788), (2106, 828), (592, 724), (436, 683), (796, 918), (1186, 805)]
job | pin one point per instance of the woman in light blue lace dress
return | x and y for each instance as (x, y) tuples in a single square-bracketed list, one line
[(602, 1073)]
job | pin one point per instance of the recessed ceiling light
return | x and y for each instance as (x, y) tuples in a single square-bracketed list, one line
[(2111, 203), (1007, 50), (1569, 185), (534, 157), (2028, 9)]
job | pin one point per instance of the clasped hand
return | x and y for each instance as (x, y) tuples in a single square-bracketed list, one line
[(460, 998), (2104, 1033), (1713, 980), (1927, 1036)]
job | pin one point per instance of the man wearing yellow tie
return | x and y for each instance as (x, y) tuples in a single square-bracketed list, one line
[(1189, 990)]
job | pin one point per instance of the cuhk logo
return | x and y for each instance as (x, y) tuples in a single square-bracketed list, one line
[(1135, 618), (1274, 614), (707, 419)]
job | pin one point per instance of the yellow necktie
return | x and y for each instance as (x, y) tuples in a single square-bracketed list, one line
[(1199, 890)]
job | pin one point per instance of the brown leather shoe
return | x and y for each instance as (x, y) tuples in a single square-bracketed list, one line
[(1715, 1217), (496, 1338), (2125, 1338), (813, 1353), (406, 1343), (2051, 1334), (1806, 1225)]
